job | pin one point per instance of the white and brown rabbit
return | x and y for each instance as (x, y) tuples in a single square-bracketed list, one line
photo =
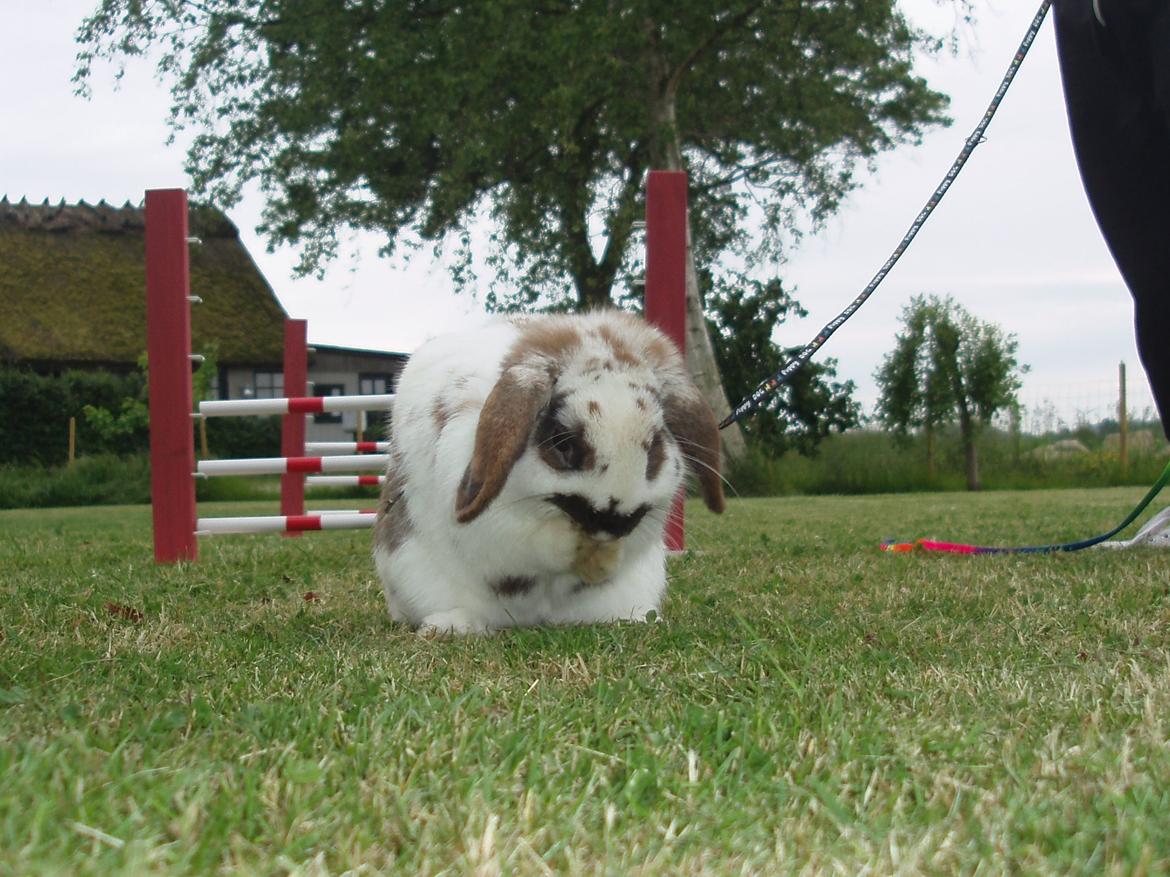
[(533, 464)]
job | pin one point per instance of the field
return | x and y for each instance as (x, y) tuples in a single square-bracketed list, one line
[(807, 705)]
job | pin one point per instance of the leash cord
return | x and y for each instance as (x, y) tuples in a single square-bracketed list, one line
[(752, 403), (958, 548)]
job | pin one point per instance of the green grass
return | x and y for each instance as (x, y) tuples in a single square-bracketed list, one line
[(809, 705)]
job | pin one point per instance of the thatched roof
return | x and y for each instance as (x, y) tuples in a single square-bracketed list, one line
[(73, 287)]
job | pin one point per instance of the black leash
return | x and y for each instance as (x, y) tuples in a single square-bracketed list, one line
[(767, 387)]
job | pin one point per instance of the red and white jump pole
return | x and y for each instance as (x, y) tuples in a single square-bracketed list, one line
[(173, 464), (293, 465), (295, 405), (336, 520), (345, 480), (666, 285), (347, 447)]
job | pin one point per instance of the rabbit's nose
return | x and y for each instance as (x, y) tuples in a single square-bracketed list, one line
[(595, 521)]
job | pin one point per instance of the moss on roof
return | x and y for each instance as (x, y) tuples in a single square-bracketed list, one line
[(73, 287)]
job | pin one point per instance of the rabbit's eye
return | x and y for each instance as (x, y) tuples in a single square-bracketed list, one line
[(570, 450), (560, 445)]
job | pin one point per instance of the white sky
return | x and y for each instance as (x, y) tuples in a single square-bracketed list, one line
[(1014, 241)]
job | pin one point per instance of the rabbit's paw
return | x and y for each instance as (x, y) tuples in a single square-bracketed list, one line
[(452, 622)]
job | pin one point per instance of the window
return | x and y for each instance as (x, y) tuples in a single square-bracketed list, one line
[(269, 385), (328, 390), (375, 384)]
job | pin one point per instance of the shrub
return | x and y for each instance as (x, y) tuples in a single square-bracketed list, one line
[(101, 479), (35, 411), (243, 436)]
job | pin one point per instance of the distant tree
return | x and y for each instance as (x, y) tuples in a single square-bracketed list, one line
[(947, 366), (744, 315), (418, 118)]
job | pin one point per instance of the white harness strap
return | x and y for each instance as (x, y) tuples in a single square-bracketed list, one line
[(1097, 12)]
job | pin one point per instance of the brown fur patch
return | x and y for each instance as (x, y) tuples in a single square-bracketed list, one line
[(440, 414), (513, 586), (619, 346), (542, 338), (501, 437), (690, 421), (661, 353), (655, 455), (393, 524), (593, 408), (595, 561)]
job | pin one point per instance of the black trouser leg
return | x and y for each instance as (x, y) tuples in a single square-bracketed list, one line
[(1117, 89)]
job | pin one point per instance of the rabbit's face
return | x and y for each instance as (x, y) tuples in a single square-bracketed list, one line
[(598, 421), (602, 455)]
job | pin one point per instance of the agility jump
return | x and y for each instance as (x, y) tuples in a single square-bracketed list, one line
[(174, 468)]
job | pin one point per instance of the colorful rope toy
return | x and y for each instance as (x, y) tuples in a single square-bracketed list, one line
[(1155, 532)]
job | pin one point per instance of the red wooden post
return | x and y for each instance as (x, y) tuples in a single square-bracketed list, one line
[(666, 283), (168, 330), (292, 430)]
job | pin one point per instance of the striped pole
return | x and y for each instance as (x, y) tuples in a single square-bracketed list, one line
[(338, 520), (666, 285), (346, 447), (285, 465), (295, 405), (344, 480)]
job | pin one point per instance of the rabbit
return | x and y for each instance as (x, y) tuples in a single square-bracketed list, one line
[(533, 463)]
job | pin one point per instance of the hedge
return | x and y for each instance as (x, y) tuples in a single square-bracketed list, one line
[(35, 411)]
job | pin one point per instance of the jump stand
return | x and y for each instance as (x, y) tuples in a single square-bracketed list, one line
[(172, 444)]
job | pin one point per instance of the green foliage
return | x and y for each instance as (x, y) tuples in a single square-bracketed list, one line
[(204, 377), (99, 479), (947, 366), (130, 422), (871, 462), (243, 436), (744, 316), (35, 411), (112, 414), (417, 119)]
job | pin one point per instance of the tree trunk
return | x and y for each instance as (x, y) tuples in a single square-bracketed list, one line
[(701, 362), (931, 466), (970, 451), (700, 352)]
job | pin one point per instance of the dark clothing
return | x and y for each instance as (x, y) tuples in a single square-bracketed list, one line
[(1117, 90)]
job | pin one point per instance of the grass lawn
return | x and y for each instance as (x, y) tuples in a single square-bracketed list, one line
[(808, 705)]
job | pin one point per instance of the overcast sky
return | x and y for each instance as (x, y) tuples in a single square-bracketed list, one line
[(1014, 241)]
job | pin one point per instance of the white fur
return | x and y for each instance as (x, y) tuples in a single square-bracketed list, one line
[(439, 578)]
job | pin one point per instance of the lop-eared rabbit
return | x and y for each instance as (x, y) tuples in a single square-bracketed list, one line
[(533, 465)]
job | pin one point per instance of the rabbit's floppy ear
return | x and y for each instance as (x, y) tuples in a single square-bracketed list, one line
[(687, 415), (690, 421), (505, 422)]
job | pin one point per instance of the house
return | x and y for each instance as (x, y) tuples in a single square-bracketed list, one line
[(73, 295)]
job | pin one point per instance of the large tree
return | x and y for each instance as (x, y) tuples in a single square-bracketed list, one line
[(947, 366), (417, 118)]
